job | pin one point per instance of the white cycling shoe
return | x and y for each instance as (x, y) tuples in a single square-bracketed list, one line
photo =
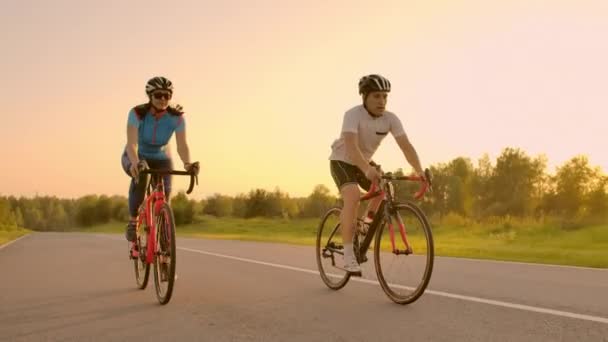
[(351, 266)]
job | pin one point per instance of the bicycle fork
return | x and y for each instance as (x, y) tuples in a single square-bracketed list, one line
[(408, 248)]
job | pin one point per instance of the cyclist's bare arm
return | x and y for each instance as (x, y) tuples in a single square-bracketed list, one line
[(351, 141), (410, 153), (132, 136), (182, 147)]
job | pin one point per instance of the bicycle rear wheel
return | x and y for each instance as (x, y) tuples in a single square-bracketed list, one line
[(405, 273), (330, 251), (164, 258)]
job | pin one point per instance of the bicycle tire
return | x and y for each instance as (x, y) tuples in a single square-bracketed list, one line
[(381, 259), (141, 267), (165, 254), (328, 230)]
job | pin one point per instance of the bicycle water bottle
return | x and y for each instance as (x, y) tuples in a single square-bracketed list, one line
[(363, 225)]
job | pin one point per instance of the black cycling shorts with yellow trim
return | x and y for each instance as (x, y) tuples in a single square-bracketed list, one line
[(344, 173)]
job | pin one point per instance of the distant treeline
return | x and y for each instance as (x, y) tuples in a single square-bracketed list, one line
[(516, 185)]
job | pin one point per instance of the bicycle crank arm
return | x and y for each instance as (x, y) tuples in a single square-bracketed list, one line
[(333, 250)]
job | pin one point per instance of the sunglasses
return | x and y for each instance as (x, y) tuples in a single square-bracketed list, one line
[(158, 96)]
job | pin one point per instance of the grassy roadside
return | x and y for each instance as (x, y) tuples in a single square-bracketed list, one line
[(587, 246), (9, 235)]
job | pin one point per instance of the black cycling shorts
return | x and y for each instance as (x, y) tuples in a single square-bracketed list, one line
[(344, 173)]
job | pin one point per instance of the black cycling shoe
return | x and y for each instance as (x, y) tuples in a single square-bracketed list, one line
[(130, 233)]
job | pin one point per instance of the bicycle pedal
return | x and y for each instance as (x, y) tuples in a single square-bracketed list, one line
[(403, 251)]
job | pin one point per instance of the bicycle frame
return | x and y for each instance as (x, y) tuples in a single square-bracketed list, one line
[(387, 209), (153, 202), (154, 199)]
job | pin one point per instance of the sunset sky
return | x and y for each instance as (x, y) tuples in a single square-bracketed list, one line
[(265, 84)]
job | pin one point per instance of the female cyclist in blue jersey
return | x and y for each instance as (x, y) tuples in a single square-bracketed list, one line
[(351, 165), (149, 128)]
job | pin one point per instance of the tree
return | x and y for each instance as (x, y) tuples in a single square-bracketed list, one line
[(290, 207), (119, 208), (459, 186), (438, 198), (572, 184), (7, 217), (18, 217), (103, 210), (56, 217), (597, 198), (183, 208), (480, 185), (32, 215), (219, 205), (86, 210), (257, 203), (512, 188), (318, 202), (239, 205)]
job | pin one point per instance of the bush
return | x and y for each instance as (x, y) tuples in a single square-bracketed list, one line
[(183, 209), (455, 220)]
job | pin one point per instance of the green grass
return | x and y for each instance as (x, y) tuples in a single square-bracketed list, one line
[(9, 235), (300, 231), (586, 246), (525, 242)]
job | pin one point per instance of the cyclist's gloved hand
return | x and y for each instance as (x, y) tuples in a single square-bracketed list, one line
[(373, 174), (142, 165), (428, 177), (135, 168), (133, 171), (194, 168), (421, 175)]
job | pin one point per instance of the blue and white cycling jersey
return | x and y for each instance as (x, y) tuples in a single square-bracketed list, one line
[(155, 131)]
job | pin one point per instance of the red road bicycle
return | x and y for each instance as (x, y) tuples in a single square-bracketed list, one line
[(155, 243), (403, 266)]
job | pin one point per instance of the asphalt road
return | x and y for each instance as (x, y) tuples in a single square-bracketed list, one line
[(81, 287)]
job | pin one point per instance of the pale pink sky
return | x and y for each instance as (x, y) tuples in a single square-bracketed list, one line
[(265, 84)]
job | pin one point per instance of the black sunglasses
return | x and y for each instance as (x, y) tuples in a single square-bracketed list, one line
[(158, 96)]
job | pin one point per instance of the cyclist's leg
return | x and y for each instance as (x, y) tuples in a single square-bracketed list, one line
[(372, 206), (345, 177), (137, 192), (168, 179), (374, 203), (350, 196)]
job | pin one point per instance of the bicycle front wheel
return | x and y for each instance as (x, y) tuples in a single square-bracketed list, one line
[(164, 258), (142, 268), (330, 251), (404, 271)]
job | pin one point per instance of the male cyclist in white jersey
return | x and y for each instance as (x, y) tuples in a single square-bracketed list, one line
[(351, 164)]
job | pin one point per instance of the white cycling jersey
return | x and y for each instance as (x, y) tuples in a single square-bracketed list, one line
[(371, 130)]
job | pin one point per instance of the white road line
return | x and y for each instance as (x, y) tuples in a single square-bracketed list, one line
[(432, 292), (523, 263), (13, 241), (428, 291)]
